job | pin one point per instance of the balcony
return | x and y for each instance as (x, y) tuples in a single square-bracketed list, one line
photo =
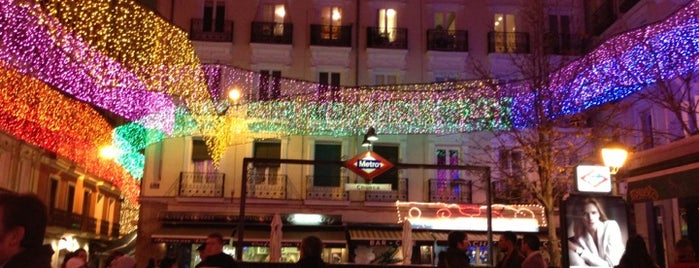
[(563, 44), (335, 191), (271, 33), (211, 30), (68, 220), (443, 40), (392, 38), (450, 191), (508, 42), (201, 184), (507, 192), (389, 196), (266, 183), (331, 36)]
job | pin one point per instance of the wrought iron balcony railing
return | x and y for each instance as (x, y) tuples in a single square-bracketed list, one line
[(331, 36), (271, 32), (266, 183), (563, 44), (68, 220), (444, 40), (201, 184), (334, 190), (211, 30), (450, 190), (508, 42), (394, 38)]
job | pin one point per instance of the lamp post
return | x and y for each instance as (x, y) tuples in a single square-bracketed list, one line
[(614, 156)]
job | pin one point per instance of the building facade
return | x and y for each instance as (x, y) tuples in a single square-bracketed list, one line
[(350, 43)]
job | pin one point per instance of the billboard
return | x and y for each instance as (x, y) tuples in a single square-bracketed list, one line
[(595, 230)]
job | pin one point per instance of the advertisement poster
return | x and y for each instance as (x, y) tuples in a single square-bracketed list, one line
[(595, 229)]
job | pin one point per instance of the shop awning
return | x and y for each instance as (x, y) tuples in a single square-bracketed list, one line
[(330, 238), (374, 237), (665, 185), (188, 234)]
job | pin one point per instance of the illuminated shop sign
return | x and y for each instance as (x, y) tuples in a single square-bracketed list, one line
[(472, 217), (593, 179)]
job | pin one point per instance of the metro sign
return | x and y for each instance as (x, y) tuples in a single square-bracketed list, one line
[(368, 165)]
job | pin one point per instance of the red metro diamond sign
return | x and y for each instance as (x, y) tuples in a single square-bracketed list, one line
[(368, 165)]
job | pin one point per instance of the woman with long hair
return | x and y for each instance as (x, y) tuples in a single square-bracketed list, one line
[(597, 240), (636, 254)]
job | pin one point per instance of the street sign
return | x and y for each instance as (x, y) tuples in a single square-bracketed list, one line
[(368, 165)]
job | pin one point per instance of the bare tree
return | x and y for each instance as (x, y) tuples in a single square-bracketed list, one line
[(548, 134)]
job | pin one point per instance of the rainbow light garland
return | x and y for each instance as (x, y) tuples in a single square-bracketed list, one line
[(131, 62), (34, 112)]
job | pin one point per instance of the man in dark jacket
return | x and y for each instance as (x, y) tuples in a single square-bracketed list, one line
[(455, 256), (311, 251), (513, 257), (214, 253), (23, 219)]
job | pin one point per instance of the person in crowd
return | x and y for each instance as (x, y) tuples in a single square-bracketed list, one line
[(112, 256), (685, 257), (636, 254), (23, 219), (123, 262), (311, 250), (168, 263), (77, 260), (531, 249), (214, 253), (596, 239), (513, 257), (201, 249), (455, 255)]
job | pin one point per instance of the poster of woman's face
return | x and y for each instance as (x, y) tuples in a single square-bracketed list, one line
[(595, 230)]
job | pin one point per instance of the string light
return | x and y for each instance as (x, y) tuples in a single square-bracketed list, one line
[(116, 55)]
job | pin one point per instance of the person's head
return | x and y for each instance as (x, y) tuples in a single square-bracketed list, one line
[(168, 263), (81, 253), (684, 251), (214, 244), (458, 240), (530, 243), (311, 246), (123, 262), (202, 251), (592, 213), (23, 219), (507, 241)]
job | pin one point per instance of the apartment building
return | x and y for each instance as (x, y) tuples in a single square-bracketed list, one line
[(84, 211), (186, 195)]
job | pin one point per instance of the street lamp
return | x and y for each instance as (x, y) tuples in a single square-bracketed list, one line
[(614, 155), (369, 137)]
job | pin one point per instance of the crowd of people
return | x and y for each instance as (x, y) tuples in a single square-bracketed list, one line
[(596, 242)]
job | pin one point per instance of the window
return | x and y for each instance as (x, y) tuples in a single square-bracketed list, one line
[(511, 162), (390, 153), (270, 85), (267, 172), (214, 15), (689, 116), (329, 85), (331, 19), (71, 198), (87, 203), (327, 175), (505, 38), (53, 194), (388, 23), (385, 79), (448, 157), (559, 33), (445, 20), (646, 119), (201, 157), (275, 13)]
